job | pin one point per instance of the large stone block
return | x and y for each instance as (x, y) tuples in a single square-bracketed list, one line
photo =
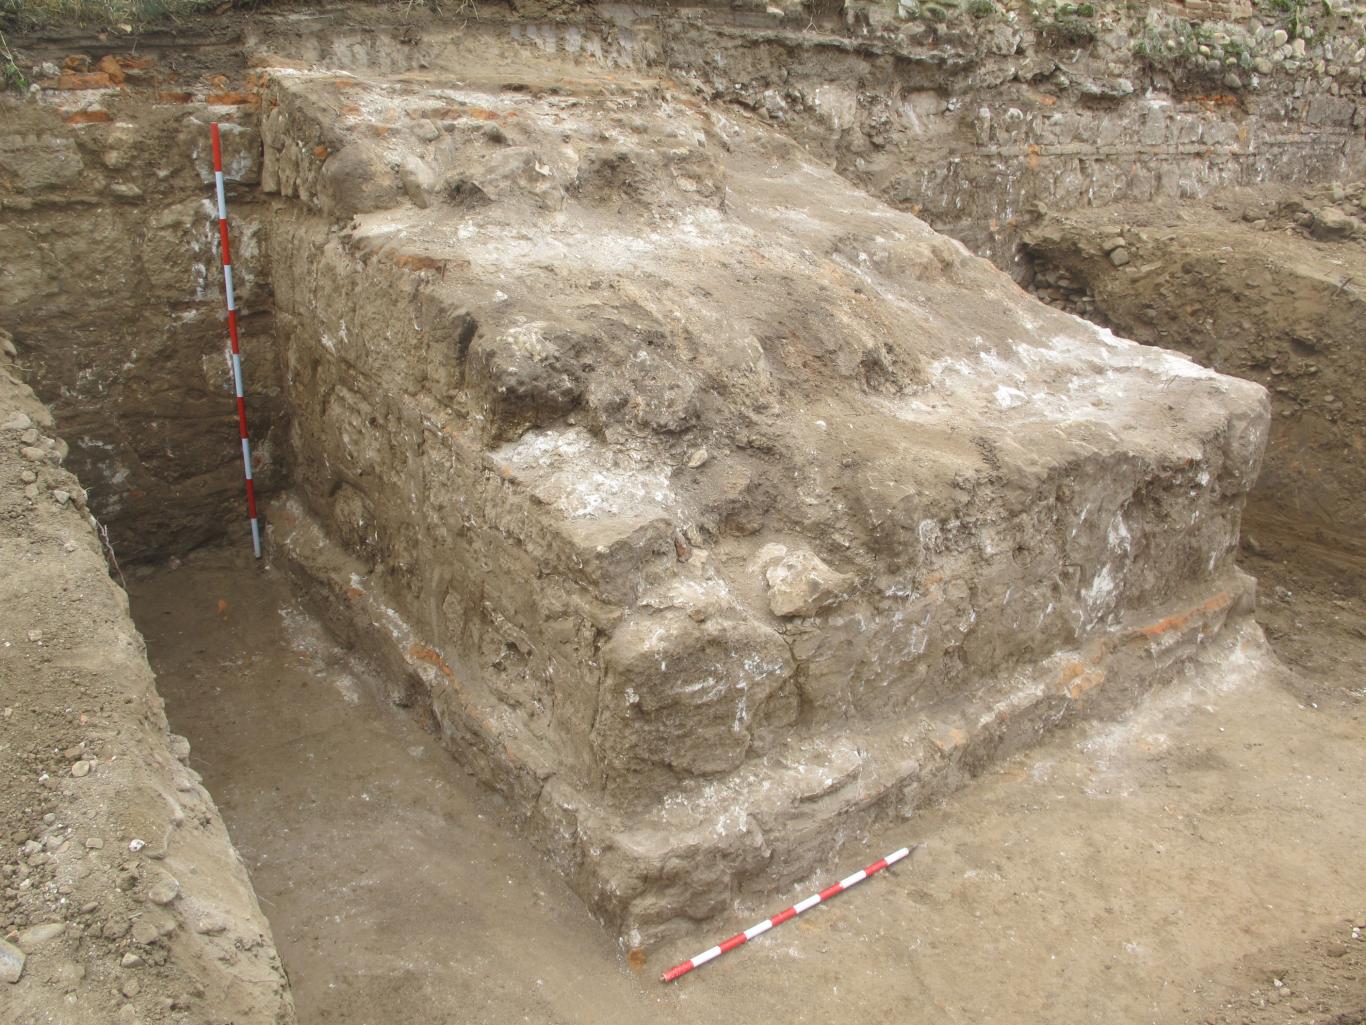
[(712, 528)]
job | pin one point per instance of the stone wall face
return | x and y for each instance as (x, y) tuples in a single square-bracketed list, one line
[(973, 124), (709, 502), (970, 123), (112, 291), (714, 503)]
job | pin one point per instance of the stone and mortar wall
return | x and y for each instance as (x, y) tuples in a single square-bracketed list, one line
[(971, 122), (123, 898), (551, 653), (1262, 285), (112, 291), (619, 603)]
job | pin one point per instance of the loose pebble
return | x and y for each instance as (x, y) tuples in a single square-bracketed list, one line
[(37, 935), (164, 891), (11, 962)]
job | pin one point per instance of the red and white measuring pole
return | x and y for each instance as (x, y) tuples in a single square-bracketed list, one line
[(232, 336), (782, 916)]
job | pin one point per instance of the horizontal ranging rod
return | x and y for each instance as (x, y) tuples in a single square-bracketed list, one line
[(677, 971)]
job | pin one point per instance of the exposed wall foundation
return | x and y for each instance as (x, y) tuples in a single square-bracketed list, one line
[(714, 503), (701, 610)]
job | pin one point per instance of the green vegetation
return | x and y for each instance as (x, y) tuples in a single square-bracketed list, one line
[(11, 77), (1292, 12), (1064, 24), (1173, 47), (37, 14)]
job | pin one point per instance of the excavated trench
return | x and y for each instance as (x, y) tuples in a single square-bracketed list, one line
[(657, 523)]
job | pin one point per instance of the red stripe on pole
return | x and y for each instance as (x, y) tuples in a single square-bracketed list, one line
[(226, 253), (733, 942), (678, 971)]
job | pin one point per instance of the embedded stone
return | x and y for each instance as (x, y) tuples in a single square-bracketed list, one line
[(801, 584)]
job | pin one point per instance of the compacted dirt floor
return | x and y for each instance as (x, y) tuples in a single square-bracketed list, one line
[(1203, 860)]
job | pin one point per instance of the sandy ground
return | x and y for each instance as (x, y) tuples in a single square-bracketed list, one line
[(1200, 861)]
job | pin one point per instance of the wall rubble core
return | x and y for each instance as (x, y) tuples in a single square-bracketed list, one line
[(716, 508), (971, 123)]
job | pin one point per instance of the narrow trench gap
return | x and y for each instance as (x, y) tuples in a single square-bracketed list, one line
[(399, 890), (395, 886)]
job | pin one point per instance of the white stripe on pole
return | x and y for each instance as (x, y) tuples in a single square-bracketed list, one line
[(679, 970), (233, 344), (706, 956)]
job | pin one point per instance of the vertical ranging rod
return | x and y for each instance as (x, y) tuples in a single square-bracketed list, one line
[(232, 336)]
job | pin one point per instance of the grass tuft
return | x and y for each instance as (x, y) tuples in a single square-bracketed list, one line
[(28, 15)]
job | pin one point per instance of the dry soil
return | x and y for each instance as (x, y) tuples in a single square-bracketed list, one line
[(1199, 861)]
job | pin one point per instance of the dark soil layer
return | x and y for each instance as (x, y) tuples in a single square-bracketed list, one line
[(1266, 284)]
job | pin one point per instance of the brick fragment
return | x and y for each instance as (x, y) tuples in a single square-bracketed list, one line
[(109, 64), (84, 80)]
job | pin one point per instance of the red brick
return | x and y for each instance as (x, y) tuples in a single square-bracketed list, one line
[(110, 66), (87, 80), (233, 99)]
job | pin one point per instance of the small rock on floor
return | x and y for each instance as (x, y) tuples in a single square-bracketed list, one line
[(37, 935), (11, 962), (164, 891)]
